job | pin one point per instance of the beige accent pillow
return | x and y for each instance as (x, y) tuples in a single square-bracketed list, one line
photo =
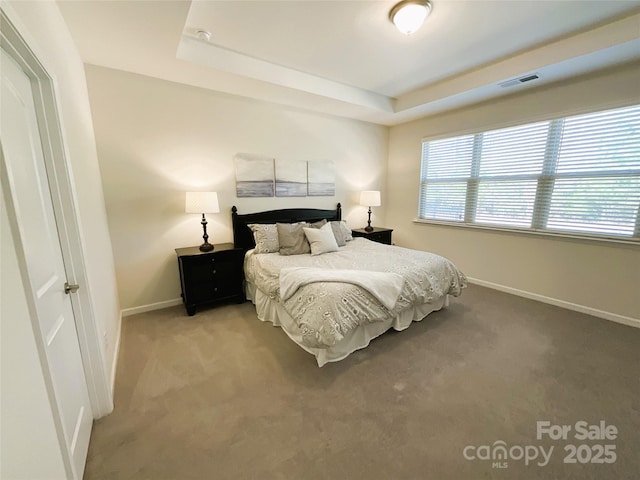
[(266, 237), (292, 239), (318, 224), (321, 239)]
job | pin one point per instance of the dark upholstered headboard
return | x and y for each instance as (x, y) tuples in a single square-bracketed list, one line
[(243, 237)]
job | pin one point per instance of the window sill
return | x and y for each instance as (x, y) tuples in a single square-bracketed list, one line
[(525, 231)]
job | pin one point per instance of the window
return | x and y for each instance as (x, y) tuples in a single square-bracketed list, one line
[(577, 175)]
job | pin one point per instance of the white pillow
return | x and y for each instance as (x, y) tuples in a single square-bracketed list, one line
[(321, 240)]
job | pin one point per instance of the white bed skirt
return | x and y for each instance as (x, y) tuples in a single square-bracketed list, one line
[(271, 311)]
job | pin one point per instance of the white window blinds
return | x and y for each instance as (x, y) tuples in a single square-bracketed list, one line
[(577, 174)]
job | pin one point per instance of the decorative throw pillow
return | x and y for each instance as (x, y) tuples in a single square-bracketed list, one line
[(321, 240), (292, 239), (346, 231), (338, 233), (266, 237)]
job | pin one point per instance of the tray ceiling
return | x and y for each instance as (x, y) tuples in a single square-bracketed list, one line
[(345, 58)]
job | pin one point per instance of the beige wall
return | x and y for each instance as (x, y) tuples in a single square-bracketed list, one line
[(158, 139), (601, 276)]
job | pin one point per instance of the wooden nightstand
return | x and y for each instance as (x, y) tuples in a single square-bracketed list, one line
[(207, 277), (380, 235)]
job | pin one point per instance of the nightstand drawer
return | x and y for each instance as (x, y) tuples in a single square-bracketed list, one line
[(210, 276), (380, 235)]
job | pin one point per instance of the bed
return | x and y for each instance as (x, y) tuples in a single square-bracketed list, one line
[(334, 303)]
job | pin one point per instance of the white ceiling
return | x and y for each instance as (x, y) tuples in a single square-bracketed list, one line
[(346, 58)]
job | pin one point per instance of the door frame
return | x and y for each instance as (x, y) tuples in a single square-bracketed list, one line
[(14, 39)]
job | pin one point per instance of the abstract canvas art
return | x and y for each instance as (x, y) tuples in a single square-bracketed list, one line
[(254, 175), (321, 178), (291, 179)]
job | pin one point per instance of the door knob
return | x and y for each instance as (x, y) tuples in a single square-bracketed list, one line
[(70, 288)]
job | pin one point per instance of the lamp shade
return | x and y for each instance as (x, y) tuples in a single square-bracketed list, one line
[(409, 15), (370, 198), (201, 202)]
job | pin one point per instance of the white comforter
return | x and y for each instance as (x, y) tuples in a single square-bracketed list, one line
[(326, 311), (384, 286)]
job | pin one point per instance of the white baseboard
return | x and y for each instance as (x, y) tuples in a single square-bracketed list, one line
[(126, 312), (614, 317), (116, 352)]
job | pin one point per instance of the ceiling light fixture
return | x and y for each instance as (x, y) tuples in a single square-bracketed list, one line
[(409, 15), (203, 35)]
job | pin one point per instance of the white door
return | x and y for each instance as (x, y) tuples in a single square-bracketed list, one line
[(38, 235)]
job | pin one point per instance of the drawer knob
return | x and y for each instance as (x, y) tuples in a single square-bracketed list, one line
[(215, 289), (214, 271), (213, 259)]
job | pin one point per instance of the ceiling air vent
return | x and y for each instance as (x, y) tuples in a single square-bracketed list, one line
[(518, 81)]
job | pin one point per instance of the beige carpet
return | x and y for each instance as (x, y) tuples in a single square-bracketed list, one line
[(223, 396)]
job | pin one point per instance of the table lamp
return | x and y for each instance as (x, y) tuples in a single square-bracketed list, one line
[(202, 202), (369, 198)]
